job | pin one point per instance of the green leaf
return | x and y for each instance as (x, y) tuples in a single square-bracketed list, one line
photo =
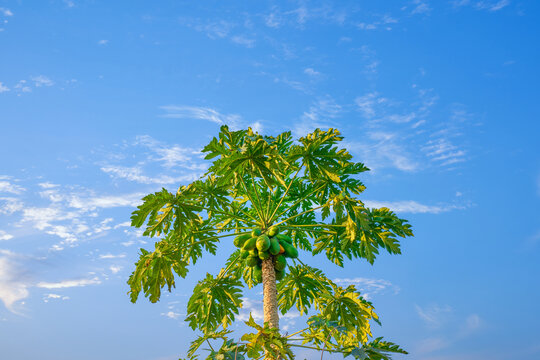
[(214, 301)]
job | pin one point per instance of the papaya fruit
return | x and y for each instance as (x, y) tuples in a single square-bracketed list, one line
[(280, 263), (283, 237), (290, 251), (263, 243), (263, 255), (251, 261), (273, 231), (254, 252), (281, 249), (274, 246), (241, 239), (256, 232), (279, 275), (257, 274), (244, 254), (250, 244)]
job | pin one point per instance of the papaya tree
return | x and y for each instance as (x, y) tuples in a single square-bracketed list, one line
[(280, 202)]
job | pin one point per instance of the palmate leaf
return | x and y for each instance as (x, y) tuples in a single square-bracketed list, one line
[(215, 301), (348, 309), (229, 349), (319, 155), (155, 270), (266, 341), (301, 287), (375, 350), (164, 209)]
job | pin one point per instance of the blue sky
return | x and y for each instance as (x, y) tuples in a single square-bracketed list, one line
[(102, 103)]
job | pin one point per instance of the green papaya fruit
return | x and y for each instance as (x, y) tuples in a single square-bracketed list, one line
[(251, 261), (273, 231), (250, 244), (241, 239), (257, 275), (274, 246), (290, 251), (263, 243), (263, 255), (256, 232), (279, 275), (254, 252), (244, 254), (285, 238), (280, 263)]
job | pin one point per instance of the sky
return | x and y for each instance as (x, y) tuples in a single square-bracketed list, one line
[(103, 102)]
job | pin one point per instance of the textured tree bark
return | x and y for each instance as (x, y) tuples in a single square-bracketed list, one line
[(270, 306)]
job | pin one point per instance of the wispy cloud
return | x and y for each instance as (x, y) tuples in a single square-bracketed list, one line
[(420, 7), (103, 42), (111, 256), (320, 115), (42, 80), (3, 88), (413, 207), (48, 297), (243, 40), (5, 236), (6, 12), (199, 113), (490, 6), (434, 315), (68, 283), (7, 186), (13, 283), (368, 287), (136, 174)]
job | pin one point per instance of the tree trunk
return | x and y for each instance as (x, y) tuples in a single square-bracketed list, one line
[(270, 306)]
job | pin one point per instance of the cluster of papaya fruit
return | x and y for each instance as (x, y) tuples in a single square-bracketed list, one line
[(258, 246)]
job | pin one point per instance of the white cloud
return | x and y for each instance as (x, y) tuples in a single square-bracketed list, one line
[(22, 87), (9, 205), (48, 185), (115, 268), (111, 256), (13, 287), (492, 5), (41, 80), (443, 151), (319, 115), (171, 315), (136, 174), (5, 236), (69, 3), (6, 12), (109, 201), (3, 88), (434, 316), (48, 297), (103, 42), (421, 7), (172, 156), (311, 72), (273, 19), (384, 149), (411, 206), (69, 283), (244, 41), (368, 287), (6, 186), (200, 113)]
